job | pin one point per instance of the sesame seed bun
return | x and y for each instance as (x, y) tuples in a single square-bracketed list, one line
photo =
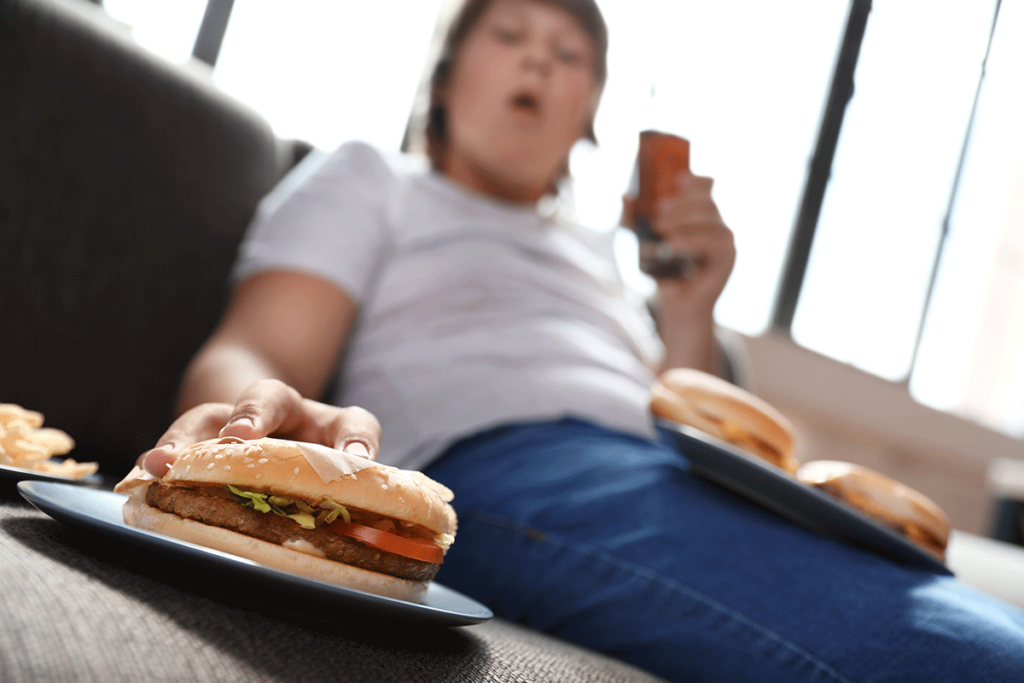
[(727, 412)]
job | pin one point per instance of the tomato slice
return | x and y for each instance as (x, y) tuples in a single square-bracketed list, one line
[(416, 548)]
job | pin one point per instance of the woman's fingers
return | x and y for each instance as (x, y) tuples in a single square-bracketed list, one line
[(681, 215), (257, 413), (271, 407), (692, 213), (198, 424), (264, 408), (267, 408), (355, 431), (692, 209)]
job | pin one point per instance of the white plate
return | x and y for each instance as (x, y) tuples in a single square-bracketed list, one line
[(780, 492), (100, 511)]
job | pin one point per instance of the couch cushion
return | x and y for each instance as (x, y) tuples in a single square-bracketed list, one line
[(78, 607)]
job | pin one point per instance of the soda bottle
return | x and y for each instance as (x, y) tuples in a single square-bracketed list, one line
[(660, 160)]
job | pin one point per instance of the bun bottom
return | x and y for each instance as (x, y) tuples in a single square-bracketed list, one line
[(140, 515)]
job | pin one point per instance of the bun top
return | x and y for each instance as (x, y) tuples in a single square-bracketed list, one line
[(878, 495), (725, 411), (312, 472)]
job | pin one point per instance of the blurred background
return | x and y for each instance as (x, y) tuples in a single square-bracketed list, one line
[(879, 286)]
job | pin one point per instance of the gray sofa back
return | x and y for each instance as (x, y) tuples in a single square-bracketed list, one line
[(125, 186)]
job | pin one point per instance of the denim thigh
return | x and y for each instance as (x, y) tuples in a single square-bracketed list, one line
[(607, 540)]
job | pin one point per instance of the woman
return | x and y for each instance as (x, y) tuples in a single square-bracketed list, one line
[(501, 354)]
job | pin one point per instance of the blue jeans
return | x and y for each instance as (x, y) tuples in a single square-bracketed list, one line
[(607, 540)]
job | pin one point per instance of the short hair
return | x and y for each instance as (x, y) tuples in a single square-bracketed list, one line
[(585, 12)]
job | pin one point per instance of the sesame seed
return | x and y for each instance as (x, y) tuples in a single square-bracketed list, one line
[(227, 467), (296, 470), (263, 460), (218, 456), (384, 486), (259, 475), (187, 468), (251, 466), (210, 466)]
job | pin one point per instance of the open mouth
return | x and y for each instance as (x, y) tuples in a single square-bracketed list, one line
[(526, 103)]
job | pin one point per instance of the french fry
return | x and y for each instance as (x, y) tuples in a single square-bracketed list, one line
[(26, 444)]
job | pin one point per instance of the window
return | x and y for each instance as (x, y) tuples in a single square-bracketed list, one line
[(880, 226), (971, 359), (327, 71), (166, 27), (323, 71)]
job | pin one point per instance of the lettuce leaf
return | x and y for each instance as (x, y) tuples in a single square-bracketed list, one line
[(257, 501), (307, 515)]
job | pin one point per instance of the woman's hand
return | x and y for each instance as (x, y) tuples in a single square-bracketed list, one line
[(267, 408), (691, 223)]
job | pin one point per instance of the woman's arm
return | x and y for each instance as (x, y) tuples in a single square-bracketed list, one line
[(279, 325), (260, 372)]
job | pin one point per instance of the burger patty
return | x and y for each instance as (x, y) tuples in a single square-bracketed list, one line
[(210, 506)]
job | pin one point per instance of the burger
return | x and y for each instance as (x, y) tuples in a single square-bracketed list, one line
[(726, 412), (889, 502), (301, 508)]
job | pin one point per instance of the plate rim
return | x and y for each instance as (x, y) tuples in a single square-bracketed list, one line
[(910, 554), (41, 495), (19, 474)]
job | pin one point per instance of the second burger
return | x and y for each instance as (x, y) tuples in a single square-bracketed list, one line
[(727, 412)]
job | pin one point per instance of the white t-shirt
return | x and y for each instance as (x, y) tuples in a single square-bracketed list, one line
[(472, 313)]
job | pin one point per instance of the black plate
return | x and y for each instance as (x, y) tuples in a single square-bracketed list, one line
[(100, 511), (780, 492)]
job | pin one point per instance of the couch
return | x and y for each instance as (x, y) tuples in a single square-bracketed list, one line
[(126, 184)]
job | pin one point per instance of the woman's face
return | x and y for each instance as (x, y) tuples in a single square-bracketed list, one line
[(521, 94)]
